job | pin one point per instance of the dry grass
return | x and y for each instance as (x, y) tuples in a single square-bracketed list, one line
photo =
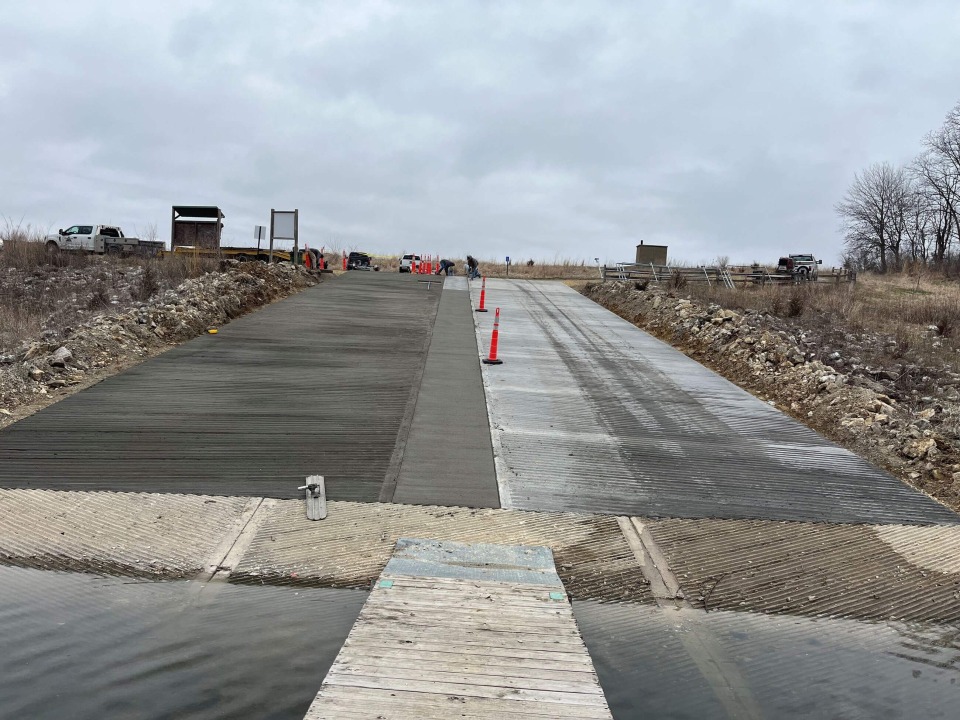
[(557, 269), (172, 269), (23, 249), (40, 291), (921, 318)]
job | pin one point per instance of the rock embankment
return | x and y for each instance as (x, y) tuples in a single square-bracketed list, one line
[(64, 359), (865, 409)]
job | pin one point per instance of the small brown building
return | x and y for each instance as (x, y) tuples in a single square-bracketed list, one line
[(647, 254), (196, 226)]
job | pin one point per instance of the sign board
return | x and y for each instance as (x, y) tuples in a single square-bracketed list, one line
[(284, 225), (508, 259), (259, 232)]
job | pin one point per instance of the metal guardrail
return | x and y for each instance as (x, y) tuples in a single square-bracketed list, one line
[(729, 276)]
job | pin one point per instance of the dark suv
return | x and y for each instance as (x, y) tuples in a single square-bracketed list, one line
[(359, 261)]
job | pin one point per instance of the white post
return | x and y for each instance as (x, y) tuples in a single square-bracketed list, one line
[(316, 497)]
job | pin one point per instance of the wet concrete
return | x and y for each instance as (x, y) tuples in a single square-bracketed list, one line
[(448, 456), (591, 414), (788, 667), (81, 646), (318, 383)]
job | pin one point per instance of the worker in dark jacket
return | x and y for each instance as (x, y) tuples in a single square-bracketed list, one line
[(444, 267), (473, 269)]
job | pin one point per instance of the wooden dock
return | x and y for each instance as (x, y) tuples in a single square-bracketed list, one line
[(463, 630)]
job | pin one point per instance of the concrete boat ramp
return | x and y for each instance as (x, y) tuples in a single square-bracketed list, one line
[(598, 527)]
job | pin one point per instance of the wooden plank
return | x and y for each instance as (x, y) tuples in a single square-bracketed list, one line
[(486, 674), (460, 585), (438, 687), (437, 647), (367, 703), (404, 631), (518, 651), (483, 643), (458, 621), (463, 600), (573, 662)]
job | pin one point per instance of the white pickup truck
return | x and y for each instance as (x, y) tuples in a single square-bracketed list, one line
[(101, 239)]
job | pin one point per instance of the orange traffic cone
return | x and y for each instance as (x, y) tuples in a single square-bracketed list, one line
[(483, 295), (494, 341)]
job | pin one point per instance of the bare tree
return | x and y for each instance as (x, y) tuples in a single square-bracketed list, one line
[(874, 212), (945, 142), (939, 186), (918, 222)]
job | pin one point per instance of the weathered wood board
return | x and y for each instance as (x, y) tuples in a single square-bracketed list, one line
[(463, 630)]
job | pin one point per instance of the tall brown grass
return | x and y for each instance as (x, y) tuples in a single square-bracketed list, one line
[(40, 290), (921, 321), (532, 269)]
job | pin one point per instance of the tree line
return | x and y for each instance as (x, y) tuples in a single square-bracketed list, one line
[(898, 214)]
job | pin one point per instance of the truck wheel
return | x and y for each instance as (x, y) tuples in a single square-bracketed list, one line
[(52, 248), (241, 258)]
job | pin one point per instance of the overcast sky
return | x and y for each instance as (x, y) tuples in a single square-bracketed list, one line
[(568, 130)]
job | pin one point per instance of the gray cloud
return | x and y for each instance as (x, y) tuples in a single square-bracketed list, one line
[(546, 129)]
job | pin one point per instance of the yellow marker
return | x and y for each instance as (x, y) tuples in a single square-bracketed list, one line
[(212, 331)]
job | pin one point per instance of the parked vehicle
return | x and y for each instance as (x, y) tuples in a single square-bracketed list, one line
[(101, 239), (360, 261), (406, 263), (250, 254), (801, 267)]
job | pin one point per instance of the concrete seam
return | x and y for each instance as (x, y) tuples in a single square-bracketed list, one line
[(500, 468), (229, 539), (658, 559), (222, 564), (723, 676), (244, 540)]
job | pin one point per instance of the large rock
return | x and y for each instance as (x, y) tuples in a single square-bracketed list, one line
[(918, 449), (61, 357)]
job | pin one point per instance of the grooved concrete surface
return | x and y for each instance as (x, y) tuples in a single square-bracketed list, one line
[(318, 383), (351, 547), (448, 456), (860, 571), (591, 414), (130, 534)]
